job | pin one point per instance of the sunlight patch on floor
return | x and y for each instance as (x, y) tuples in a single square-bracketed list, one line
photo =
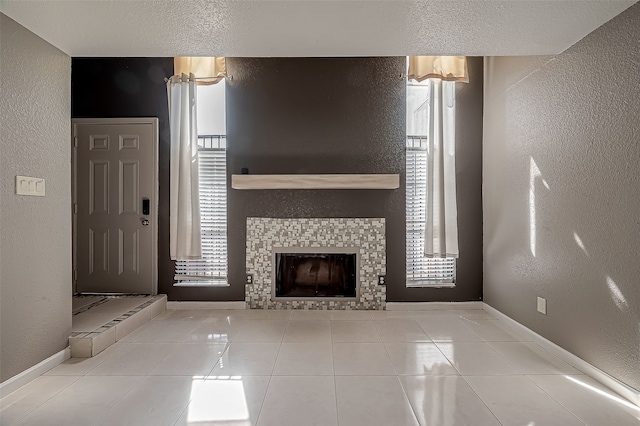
[(218, 399)]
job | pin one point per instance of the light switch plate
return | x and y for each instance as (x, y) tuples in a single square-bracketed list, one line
[(26, 185), (542, 305)]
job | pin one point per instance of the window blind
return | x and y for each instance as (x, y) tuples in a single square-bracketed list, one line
[(421, 270), (212, 268)]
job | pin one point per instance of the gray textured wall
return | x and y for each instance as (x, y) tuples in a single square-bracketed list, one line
[(35, 249), (576, 115)]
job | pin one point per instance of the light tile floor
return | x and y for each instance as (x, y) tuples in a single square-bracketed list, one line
[(318, 368)]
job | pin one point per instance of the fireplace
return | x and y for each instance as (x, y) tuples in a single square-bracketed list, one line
[(361, 239), (318, 274)]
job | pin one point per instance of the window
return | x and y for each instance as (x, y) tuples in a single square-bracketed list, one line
[(421, 271), (211, 270)]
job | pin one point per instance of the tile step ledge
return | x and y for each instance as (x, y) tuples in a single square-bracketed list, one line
[(88, 344)]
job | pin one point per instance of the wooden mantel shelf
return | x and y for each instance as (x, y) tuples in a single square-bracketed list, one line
[(324, 181)]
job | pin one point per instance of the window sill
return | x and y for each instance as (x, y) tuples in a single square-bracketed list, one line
[(430, 285), (201, 283)]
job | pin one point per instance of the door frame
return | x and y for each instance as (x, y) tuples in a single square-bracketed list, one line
[(74, 194)]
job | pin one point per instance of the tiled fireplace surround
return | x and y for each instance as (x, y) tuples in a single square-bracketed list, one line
[(266, 234)]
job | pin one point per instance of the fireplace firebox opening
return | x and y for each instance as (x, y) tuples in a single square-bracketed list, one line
[(315, 275)]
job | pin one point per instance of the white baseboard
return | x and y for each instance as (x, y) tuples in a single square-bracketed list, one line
[(37, 370), (430, 306), (615, 385), (206, 305)]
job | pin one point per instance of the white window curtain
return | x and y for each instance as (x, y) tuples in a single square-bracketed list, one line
[(208, 70), (184, 236), (441, 227), (448, 68)]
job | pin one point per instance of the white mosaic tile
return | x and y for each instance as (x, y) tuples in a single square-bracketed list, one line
[(368, 234)]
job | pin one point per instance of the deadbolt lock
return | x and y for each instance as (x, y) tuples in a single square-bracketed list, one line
[(145, 222)]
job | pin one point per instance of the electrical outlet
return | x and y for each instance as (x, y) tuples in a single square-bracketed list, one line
[(382, 280), (249, 278), (542, 305)]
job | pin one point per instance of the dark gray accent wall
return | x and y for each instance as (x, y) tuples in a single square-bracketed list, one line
[(469, 110), (131, 87), (344, 115), (324, 115), (305, 115), (561, 179)]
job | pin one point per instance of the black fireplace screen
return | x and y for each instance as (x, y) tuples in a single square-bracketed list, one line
[(303, 275)]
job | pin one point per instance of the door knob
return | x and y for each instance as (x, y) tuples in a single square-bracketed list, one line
[(145, 222)]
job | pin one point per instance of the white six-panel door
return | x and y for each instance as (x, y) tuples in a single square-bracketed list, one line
[(115, 220)]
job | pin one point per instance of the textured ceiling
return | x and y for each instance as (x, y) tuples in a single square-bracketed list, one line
[(311, 28)]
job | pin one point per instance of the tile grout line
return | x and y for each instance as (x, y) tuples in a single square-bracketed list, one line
[(143, 377), (101, 416), (473, 332), (183, 410), (481, 400), (404, 392), (516, 367), (271, 375), (555, 400), (87, 307), (77, 376), (446, 357), (138, 382), (46, 400), (333, 366)]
